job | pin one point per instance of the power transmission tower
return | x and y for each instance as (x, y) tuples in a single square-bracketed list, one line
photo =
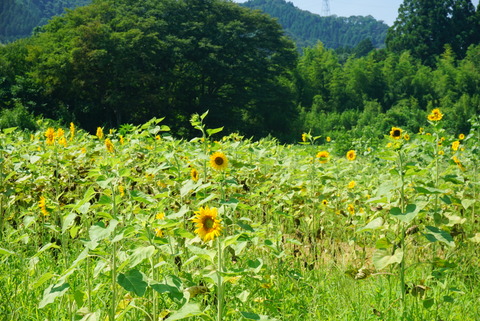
[(326, 8)]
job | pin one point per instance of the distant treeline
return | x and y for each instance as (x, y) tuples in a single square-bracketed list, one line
[(18, 18), (306, 28)]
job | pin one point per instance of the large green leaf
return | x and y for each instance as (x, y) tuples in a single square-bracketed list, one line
[(411, 211), (383, 258), (435, 234), (133, 281), (254, 316), (52, 292), (375, 224), (99, 232), (186, 311), (141, 253)]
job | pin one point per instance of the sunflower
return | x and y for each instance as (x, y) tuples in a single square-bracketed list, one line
[(351, 155), (63, 141), (323, 156), (42, 204), (219, 161), (351, 209), (109, 145), (328, 139), (455, 145), (50, 134), (324, 202), (352, 184), (435, 115), (72, 130), (396, 133), (194, 174), (208, 226), (304, 137), (461, 136), (406, 137), (99, 133)]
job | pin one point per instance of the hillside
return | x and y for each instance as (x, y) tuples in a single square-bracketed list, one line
[(307, 28), (18, 18)]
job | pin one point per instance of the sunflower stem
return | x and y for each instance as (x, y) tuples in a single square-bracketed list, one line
[(219, 281)]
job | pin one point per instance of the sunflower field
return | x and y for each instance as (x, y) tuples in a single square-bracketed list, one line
[(135, 224)]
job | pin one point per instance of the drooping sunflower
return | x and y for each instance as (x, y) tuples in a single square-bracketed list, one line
[(109, 145), (396, 133), (194, 174), (351, 155), (208, 226), (435, 115), (323, 156), (219, 161)]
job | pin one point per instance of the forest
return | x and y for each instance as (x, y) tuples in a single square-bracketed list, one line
[(114, 63)]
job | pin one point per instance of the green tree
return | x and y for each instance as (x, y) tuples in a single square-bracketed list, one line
[(123, 61), (425, 26)]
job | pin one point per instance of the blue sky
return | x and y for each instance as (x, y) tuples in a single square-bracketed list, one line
[(385, 10)]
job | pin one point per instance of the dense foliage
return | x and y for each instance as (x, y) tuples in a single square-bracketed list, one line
[(116, 62), (307, 28), (424, 27), (18, 18)]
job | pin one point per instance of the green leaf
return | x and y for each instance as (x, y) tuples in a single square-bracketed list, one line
[(172, 291), (435, 234), (428, 303), (9, 130), (52, 292), (133, 281), (98, 232), (254, 316), (210, 132), (208, 255), (255, 265), (411, 211), (466, 203), (6, 252), (428, 190), (140, 254), (142, 197), (373, 225), (186, 311), (383, 258)]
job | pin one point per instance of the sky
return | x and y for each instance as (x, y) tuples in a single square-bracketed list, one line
[(385, 10)]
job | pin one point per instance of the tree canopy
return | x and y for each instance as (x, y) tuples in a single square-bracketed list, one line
[(126, 61), (424, 27)]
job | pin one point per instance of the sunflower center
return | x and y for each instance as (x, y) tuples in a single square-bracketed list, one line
[(219, 161), (396, 133), (208, 222)]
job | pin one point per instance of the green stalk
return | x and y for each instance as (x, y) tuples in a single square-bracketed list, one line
[(219, 282), (402, 236), (114, 262)]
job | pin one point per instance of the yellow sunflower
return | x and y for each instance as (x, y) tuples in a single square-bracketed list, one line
[(50, 135), (351, 155), (42, 204), (461, 136), (324, 202), (328, 139), (352, 184), (435, 115), (208, 226), (455, 145), (396, 133), (406, 137), (351, 209), (219, 161), (194, 174), (304, 137), (109, 145), (323, 156), (99, 132)]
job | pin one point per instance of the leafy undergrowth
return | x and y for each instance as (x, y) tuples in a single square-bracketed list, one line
[(101, 227)]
